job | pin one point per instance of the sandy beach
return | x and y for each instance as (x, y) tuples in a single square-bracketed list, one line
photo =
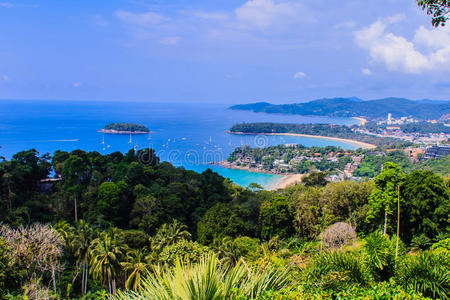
[(353, 142), (362, 121), (287, 181)]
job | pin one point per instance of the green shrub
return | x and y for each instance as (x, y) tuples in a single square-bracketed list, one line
[(427, 272), (186, 251), (337, 270)]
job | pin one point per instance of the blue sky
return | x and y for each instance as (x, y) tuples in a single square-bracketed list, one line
[(223, 51)]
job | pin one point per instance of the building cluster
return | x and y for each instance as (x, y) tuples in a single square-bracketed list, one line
[(393, 130), (400, 121), (351, 167), (437, 151)]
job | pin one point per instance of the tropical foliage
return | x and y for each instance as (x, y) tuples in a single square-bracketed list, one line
[(122, 227)]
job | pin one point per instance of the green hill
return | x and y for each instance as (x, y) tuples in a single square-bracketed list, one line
[(354, 107)]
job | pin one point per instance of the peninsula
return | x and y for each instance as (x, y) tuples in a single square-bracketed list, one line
[(326, 131), (125, 128)]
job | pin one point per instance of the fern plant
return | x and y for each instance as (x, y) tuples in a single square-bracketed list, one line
[(427, 272), (380, 256), (337, 271)]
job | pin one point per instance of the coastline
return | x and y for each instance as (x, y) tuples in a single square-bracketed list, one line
[(349, 141), (362, 121), (287, 179)]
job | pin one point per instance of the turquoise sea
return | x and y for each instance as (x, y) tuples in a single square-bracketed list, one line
[(191, 135)]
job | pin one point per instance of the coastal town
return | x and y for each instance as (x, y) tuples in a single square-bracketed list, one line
[(425, 133), (431, 142)]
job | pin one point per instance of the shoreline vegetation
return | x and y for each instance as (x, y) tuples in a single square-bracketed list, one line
[(125, 128), (349, 141), (112, 131), (349, 134)]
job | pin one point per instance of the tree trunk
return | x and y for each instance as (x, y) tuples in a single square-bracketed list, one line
[(82, 277), (9, 197), (35, 286), (53, 279), (76, 214), (86, 278), (385, 221)]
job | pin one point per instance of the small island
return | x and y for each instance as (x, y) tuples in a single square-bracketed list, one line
[(125, 128)]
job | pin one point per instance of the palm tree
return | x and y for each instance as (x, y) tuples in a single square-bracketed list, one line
[(105, 260), (65, 230), (169, 234), (227, 251), (81, 244), (136, 264)]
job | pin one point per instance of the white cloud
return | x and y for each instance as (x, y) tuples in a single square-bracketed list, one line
[(141, 19), (299, 75), (76, 84), (435, 39), (169, 40), (400, 54), (6, 4), (5, 77), (265, 14), (366, 71)]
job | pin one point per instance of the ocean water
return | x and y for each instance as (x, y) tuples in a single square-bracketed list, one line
[(189, 135)]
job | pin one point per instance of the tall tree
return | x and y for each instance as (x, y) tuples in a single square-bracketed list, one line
[(426, 206), (106, 254), (75, 172), (81, 243), (384, 197), (108, 200), (137, 267), (169, 234)]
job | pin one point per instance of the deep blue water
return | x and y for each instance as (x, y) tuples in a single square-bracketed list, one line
[(189, 135)]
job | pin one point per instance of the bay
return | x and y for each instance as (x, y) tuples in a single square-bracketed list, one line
[(192, 135)]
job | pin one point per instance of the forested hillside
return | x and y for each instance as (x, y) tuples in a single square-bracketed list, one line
[(103, 226), (354, 107), (329, 130)]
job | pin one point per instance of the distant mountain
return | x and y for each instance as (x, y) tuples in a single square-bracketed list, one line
[(355, 107)]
